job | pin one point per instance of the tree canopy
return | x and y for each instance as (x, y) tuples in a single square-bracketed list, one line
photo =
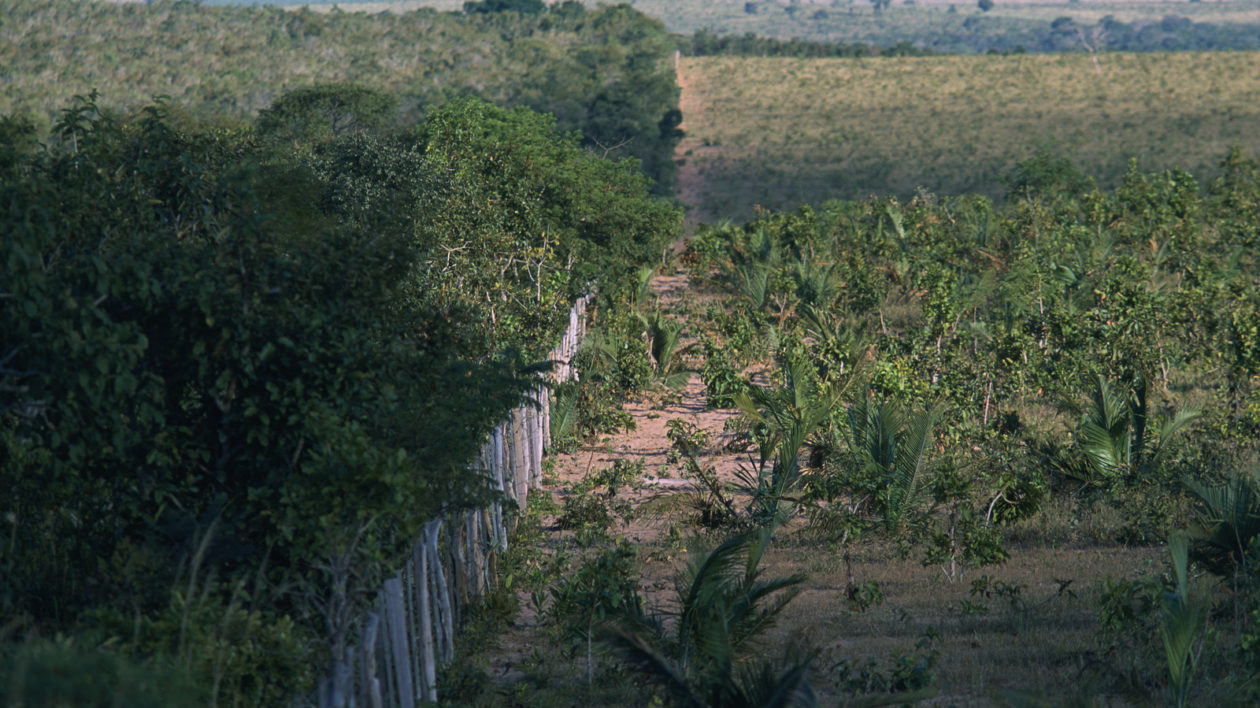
[(262, 345)]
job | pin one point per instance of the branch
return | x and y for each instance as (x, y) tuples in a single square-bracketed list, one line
[(609, 148)]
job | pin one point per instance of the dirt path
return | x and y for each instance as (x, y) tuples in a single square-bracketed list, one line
[(691, 181), (647, 440)]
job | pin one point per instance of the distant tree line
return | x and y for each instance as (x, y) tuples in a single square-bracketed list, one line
[(707, 44), (1172, 33), (984, 34)]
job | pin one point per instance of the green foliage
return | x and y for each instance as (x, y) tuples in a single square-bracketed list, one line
[(685, 439), (722, 379), (320, 113), (604, 588), (785, 418), (242, 654), (709, 658), (524, 7), (919, 28), (713, 503), (593, 503), (1127, 605), (1115, 438), (1046, 176), (664, 352), (907, 676), (1228, 521), (60, 673), (603, 72), (270, 361), (1183, 618), (889, 457)]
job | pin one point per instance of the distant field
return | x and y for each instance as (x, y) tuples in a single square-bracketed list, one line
[(780, 132)]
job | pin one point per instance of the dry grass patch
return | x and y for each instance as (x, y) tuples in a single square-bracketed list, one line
[(780, 132)]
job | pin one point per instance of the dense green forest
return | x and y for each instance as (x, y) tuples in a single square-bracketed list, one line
[(603, 72), (233, 355)]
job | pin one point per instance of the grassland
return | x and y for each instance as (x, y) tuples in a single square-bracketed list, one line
[(781, 132)]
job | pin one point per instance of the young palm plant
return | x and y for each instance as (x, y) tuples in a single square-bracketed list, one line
[(816, 285), (1183, 618), (663, 336), (841, 344), (891, 447), (1227, 521), (710, 656), (751, 270), (1115, 435), (788, 416)]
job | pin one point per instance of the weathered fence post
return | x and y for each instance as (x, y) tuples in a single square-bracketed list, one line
[(397, 663)]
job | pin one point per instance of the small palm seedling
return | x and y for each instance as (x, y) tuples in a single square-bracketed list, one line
[(891, 447), (1183, 619), (663, 338), (841, 345), (710, 656), (1227, 521), (787, 417), (1116, 437), (751, 273)]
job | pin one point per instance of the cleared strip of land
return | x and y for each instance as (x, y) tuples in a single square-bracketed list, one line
[(779, 132)]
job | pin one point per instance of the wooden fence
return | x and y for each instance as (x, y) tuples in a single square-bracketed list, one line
[(410, 630)]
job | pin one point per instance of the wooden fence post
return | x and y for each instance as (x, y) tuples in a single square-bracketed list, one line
[(424, 613), (396, 625), (398, 662)]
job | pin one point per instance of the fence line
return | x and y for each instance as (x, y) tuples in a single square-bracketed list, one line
[(410, 630)]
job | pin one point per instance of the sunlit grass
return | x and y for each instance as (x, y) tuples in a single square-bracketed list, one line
[(778, 132)]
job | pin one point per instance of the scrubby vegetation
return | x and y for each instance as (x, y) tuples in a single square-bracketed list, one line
[(241, 366), (941, 26), (603, 72)]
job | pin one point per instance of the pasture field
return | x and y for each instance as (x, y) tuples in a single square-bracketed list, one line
[(782, 132)]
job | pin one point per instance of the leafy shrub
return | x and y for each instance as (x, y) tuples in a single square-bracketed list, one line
[(61, 674), (904, 672), (721, 377), (603, 588), (592, 505)]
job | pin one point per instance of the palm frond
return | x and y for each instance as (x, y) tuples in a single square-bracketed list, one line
[(639, 644), (1183, 621), (1169, 430), (1227, 521), (1104, 451), (724, 604), (564, 412), (776, 685)]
